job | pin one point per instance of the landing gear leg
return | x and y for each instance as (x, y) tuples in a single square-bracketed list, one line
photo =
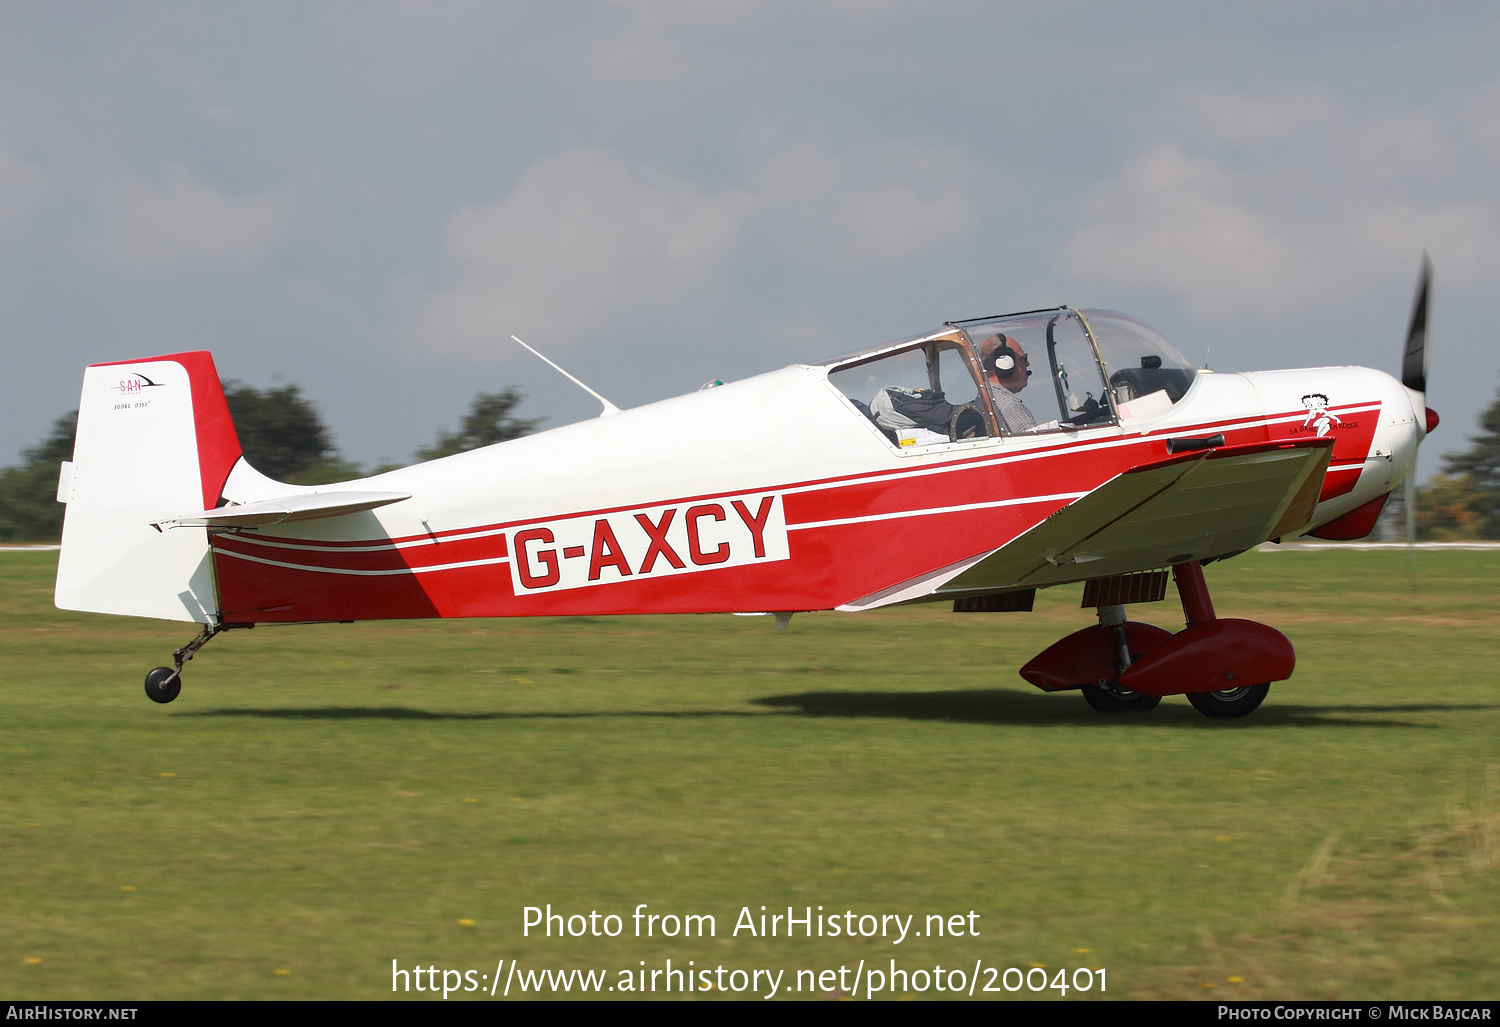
[(1198, 608), (1107, 696), (163, 684)]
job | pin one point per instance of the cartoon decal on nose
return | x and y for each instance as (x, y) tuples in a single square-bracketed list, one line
[(1319, 417), (601, 549)]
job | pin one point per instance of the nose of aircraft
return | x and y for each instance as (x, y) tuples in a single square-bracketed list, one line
[(1403, 424)]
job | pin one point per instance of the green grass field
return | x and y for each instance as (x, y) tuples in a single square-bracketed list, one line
[(321, 800)]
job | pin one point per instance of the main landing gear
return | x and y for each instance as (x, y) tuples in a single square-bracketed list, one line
[(163, 684), (1229, 703), (1223, 665), (1106, 696)]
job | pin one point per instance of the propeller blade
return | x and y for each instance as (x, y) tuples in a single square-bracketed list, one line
[(1414, 356)]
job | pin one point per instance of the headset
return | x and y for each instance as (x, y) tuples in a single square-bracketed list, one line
[(1003, 361)]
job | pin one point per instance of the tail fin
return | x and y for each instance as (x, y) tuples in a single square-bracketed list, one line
[(155, 439)]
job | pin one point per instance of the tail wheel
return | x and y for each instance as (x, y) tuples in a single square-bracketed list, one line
[(1114, 699), (1231, 703), (163, 684)]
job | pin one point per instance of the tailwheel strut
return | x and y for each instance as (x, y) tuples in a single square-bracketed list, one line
[(163, 684)]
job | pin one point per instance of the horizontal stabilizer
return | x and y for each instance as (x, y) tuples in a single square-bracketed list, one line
[(288, 508)]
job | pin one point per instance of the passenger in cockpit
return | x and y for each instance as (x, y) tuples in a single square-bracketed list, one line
[(1006, 369)]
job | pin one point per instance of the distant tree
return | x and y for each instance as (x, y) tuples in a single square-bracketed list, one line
[(29, 511), (283, 437), (488, 421), (1450, 509), (58, 445), (1471, 479), (1462, 502), (280, 432)]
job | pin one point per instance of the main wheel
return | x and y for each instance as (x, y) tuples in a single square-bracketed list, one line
[(1230, 703), (162, 685), (1114, 699)]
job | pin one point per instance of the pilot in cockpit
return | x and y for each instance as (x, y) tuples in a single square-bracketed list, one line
[(1006, 368)]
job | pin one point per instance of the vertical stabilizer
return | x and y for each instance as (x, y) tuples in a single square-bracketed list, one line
[(155, 441)]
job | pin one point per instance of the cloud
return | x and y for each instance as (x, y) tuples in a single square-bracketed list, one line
[(22, 187), (405, 48), (590, 243), (585, 243), (394, 48), (185, 227), (881, 203), (1278, 201)]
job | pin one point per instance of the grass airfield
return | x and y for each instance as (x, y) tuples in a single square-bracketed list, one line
[(323, 799)]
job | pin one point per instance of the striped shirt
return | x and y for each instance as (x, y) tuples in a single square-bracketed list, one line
[(1014, 417)]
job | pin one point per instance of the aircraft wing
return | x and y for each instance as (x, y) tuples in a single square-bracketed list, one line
[(288, 508), (1185, 508), (1188, 507)]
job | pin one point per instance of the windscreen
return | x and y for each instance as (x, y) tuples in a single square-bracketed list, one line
[(1146, 372)]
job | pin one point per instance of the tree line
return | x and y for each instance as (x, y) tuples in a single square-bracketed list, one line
[(281, 435), (1462, 503)]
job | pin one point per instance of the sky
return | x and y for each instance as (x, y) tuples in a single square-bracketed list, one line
[(369, 198)]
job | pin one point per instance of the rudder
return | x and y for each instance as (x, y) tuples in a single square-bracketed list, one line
[(155, 441)]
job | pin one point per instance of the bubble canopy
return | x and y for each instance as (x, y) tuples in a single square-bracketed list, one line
[(1135, 358), (1058, 369)]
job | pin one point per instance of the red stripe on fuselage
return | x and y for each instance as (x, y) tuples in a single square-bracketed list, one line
[(426, 553), (889, 526)]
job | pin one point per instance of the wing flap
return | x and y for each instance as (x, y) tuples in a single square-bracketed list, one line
[(287, 508)]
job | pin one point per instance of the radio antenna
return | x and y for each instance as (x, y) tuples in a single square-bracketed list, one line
[(609, 408)]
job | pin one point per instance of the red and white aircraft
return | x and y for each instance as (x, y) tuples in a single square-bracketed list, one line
[(919, 470)]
